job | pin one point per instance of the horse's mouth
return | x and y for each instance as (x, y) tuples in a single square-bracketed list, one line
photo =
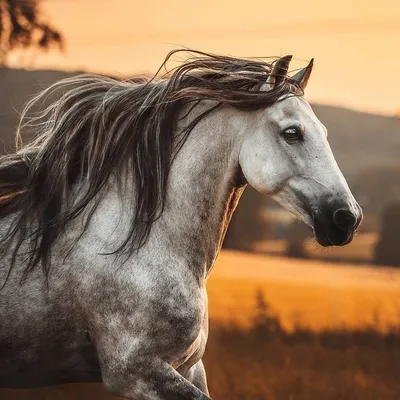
[(327, 234), (327, 237)]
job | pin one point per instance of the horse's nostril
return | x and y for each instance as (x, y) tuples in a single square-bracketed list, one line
[(344, 219)]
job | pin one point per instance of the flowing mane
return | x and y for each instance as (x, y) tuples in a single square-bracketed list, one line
[(98, 127)]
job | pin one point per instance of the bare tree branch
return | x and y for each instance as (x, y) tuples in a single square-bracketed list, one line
[(21, 26)]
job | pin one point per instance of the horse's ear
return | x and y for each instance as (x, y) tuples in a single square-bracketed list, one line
[(303, 75), (278, 73)]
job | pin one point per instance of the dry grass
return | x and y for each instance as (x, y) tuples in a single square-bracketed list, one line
[(313, 293), (247, 365), (354, 361)]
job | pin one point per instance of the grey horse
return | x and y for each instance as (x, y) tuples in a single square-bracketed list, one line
[(113, 215)]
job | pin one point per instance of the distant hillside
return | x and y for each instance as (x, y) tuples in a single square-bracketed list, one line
[(360, 141), (16, 86)]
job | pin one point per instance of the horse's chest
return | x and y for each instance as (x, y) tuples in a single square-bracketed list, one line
[(165, 312)]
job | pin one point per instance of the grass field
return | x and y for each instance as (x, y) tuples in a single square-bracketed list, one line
[(338, 349), (313, 293)]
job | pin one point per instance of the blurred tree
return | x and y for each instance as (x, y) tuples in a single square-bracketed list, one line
[(21, 26), (387, 251), (377, 187), (265, 322), (248, 224), (297, 235)]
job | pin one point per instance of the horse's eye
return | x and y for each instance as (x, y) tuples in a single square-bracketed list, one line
[(293, 135)]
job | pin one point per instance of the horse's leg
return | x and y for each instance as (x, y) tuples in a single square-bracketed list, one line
[(197, 375), (143, 378), (131, 365)]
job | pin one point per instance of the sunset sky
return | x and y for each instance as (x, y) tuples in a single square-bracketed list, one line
[(355, 43)]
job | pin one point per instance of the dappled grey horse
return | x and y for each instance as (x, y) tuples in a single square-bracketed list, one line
[(113, 215)]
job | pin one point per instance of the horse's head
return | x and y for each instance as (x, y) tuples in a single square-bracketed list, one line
[(286, 154)]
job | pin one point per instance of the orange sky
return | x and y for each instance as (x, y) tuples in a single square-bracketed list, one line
[(356, 43)]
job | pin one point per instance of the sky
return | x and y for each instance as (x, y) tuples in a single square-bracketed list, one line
[(355, 43)]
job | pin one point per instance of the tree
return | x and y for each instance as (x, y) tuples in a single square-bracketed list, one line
[(248, 224), (266, 323), (387, 251), (22, 26), (377, 187), (297, 235)]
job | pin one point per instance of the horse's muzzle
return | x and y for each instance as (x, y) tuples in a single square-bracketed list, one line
[(335, 224)]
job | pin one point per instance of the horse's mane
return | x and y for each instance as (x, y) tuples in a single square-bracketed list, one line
[(98, 126)]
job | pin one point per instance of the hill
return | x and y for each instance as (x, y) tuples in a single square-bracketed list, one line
[(16, 86), (359, 140)]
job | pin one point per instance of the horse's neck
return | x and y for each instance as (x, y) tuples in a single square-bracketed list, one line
[(201, 197), (203, 188)]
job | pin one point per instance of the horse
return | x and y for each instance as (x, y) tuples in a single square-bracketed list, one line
[(113, 215)]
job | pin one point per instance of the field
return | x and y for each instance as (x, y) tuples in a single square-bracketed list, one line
[(286, 329), (307, 292)]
